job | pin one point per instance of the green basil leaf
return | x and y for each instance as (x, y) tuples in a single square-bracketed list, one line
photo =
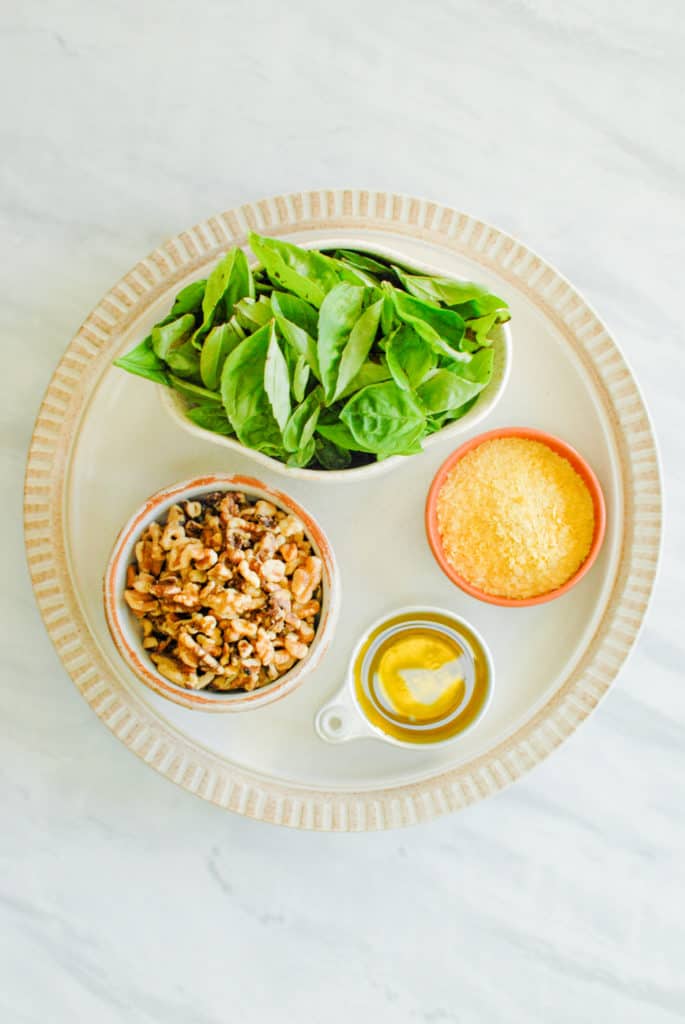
[(306, 273), (340, 435), (330, 456), (369, 373), (277, 380), (210, 417), (481, 327), (295, 311), (194, 392), (445, 390), (355, 275), (338, 314), (166, 336), (244, 396), (446, 290), (456, 414), (358, 347), (253, 313), (482, 306), (441, 328), (218, 344), (362, 261), (298, 323), (300, 427), (410, 358), (388, 313), (143, 361), (230, 281), (383, 418), (303, 456), (184, 360), (300, 376), (478, 368), (189, 299)]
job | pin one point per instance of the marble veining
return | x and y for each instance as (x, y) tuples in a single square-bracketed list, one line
[(121, 896)]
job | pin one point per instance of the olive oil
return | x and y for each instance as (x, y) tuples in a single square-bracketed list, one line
[(421, 677)]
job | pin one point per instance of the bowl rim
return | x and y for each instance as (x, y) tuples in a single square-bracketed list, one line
[(556, 444), (137, 660), (172, 401)]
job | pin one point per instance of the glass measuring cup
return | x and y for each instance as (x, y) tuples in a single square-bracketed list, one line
[(418, 676)]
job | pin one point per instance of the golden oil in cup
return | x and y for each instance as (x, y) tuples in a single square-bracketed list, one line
[(419, 676)]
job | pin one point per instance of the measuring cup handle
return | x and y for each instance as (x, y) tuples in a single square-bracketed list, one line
[(339, 720)]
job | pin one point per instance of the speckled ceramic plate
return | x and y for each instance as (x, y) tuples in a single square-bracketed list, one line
[(102, 444)]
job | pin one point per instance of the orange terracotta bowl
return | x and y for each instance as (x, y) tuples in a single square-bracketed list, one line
[(125, 630), (561, 448)]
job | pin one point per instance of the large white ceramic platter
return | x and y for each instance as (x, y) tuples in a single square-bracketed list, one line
[(103, 443)]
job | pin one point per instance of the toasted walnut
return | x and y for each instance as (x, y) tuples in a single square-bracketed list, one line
[(307, 611), (291, 526), (273, 570), (264, 648), (227, 592), (295, 647), (140, 603), (306, 579)]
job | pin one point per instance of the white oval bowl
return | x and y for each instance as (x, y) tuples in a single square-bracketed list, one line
[(124, 628), (176, 405)]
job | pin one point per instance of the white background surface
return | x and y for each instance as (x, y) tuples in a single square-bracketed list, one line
[(123, 898)]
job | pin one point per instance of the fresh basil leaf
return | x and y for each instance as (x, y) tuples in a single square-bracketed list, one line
[(218, 344), (184, 360), (303, 456), (253, 313), (300, 427), (358, 347), (362, 261), (445, 289), (210, 417), (143, 361), (244, 396), (189, 299), (456, 414), (194, 392), (441, 328), (340, 435), (166, 336), (479, 367), (481, 327), (296, 311), (383, 418), (388, 312), (369, 373), (444, 390), (297, 321), (261, 433), (481, 306), (306, 273), (338, 314), (300, 378), (354, 275), (230, 281), (410, 358), (277, 380), (330, 456)]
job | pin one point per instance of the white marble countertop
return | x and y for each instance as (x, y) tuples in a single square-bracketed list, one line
[(122, 897)]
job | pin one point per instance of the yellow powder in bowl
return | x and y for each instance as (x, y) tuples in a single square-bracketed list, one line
[(515, 519)]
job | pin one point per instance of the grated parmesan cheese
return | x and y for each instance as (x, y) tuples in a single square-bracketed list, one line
[(515, 519)]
